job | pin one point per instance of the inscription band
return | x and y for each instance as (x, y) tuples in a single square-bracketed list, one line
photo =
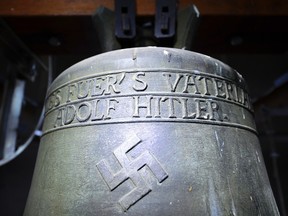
[(169, 82), (121, 121), (152, 94), (145, 70)]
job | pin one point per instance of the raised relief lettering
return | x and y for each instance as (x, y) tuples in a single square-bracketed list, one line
[(148, 107), (59, 119), (111, 81), (143, 105), (110, 106), (96, 86), (173, 84), (215, 111), (171, 105), (178, 97), (141, 85), (71, 92), (83, 89), (84, 112), (185, 112), (129, 170), (96, 115), (202, 109), (57, 98), (157, 108), (208, 110), (220, 88), (205, 84), (230, 92), (53, 100), (69, 114), (240, 94), (190, 83), (65, 116)]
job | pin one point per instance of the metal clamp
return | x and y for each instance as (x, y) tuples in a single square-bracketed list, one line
[(165, 19), (125, 24)]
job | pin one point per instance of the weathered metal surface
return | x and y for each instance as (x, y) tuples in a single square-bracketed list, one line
[(149, 131)]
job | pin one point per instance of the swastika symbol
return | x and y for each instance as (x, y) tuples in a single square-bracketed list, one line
[(130, 170)]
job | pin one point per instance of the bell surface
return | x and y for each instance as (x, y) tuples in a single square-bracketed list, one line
[(150, 131)]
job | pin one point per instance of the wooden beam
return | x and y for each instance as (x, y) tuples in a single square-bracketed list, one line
[(144, 8), (226, 26), (215, 34)]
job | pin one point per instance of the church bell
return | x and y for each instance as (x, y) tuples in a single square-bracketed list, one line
[(149, 131)]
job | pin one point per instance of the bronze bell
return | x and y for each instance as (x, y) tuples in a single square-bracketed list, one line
[(150, 131)]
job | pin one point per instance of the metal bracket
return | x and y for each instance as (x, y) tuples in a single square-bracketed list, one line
[(118, 29), (165, 19), (125, 23)]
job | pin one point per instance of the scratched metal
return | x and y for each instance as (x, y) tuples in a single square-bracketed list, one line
[(149, 131)]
